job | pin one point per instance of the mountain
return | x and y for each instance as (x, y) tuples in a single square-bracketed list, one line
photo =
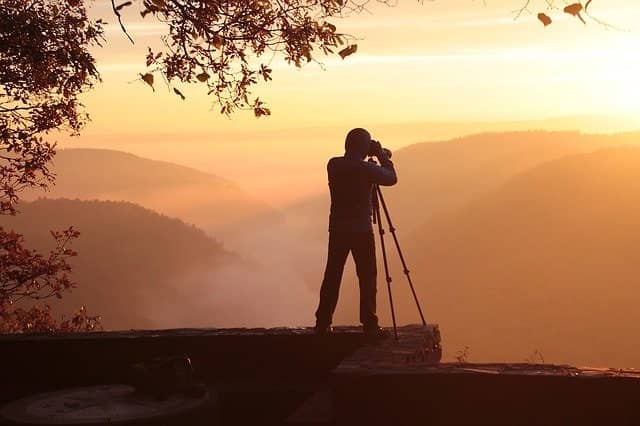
[(212, 203), (547, 262), (437, 176), (283, 165), (132, 262), (445, 175), (139, 269)]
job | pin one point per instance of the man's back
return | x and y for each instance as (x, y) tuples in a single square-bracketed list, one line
[(351, 181)]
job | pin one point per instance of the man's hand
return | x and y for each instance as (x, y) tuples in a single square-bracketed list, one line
[(379, 151)]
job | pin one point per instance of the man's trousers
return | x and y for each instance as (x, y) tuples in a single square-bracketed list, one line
[(362, 247)]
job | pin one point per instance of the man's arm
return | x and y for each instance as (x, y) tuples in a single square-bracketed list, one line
[(385, 173)]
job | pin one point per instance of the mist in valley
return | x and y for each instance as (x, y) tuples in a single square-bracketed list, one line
[(509, 247)]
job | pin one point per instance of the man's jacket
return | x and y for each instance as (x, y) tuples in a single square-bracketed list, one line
[(351, 183)]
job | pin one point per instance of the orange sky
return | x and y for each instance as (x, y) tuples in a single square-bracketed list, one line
[(444, 60)]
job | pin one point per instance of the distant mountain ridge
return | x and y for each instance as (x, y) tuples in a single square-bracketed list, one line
[(213, 203), (444, 175), (266, 160)]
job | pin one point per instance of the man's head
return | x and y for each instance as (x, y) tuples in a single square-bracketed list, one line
[(357, 143)]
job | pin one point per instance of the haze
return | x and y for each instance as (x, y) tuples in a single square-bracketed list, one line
[(485, 114)]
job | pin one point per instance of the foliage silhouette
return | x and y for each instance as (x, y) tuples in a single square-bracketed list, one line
[(28, 275), (44, 65), (228, 45)]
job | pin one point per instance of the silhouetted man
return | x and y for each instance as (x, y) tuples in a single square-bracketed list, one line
[(351, 181)]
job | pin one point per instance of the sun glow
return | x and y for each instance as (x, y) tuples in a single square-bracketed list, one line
[(618, 70)]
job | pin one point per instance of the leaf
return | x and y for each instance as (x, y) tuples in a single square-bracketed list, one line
[(573, 9), (217, 41), (347, 51), (125, 4), (261, 111), (546, 20), (307, 54), (265, 72), (148, 78), (202, 77), (179, 93)]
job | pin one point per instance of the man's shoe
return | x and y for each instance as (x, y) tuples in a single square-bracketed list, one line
[(375, 332), (322, 330)]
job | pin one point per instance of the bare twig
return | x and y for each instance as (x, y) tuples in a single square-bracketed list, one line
[(519, 12), (117, 13)]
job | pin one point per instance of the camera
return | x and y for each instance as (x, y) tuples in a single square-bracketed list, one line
[(373, 149)]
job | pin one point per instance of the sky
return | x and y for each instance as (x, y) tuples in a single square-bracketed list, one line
[(439, 61)]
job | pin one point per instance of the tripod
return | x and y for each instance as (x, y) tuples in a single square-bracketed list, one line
[(377, 200)]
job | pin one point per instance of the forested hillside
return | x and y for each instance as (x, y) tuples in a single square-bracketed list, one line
[(211, 202), (133, 264)]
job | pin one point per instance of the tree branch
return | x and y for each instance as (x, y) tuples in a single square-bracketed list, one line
[(117, 12)]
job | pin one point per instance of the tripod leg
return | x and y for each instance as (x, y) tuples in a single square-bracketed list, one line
[(380, 199), (377, 218)]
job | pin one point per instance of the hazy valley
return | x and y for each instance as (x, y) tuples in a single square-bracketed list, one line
[(504, 232)]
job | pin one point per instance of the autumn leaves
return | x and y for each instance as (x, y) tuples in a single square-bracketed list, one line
[(574, 9)]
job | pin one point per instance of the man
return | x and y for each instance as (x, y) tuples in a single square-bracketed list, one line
[(351, 181)]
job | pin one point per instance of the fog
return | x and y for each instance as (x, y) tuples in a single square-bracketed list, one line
[(278, 283), (487, 222)]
